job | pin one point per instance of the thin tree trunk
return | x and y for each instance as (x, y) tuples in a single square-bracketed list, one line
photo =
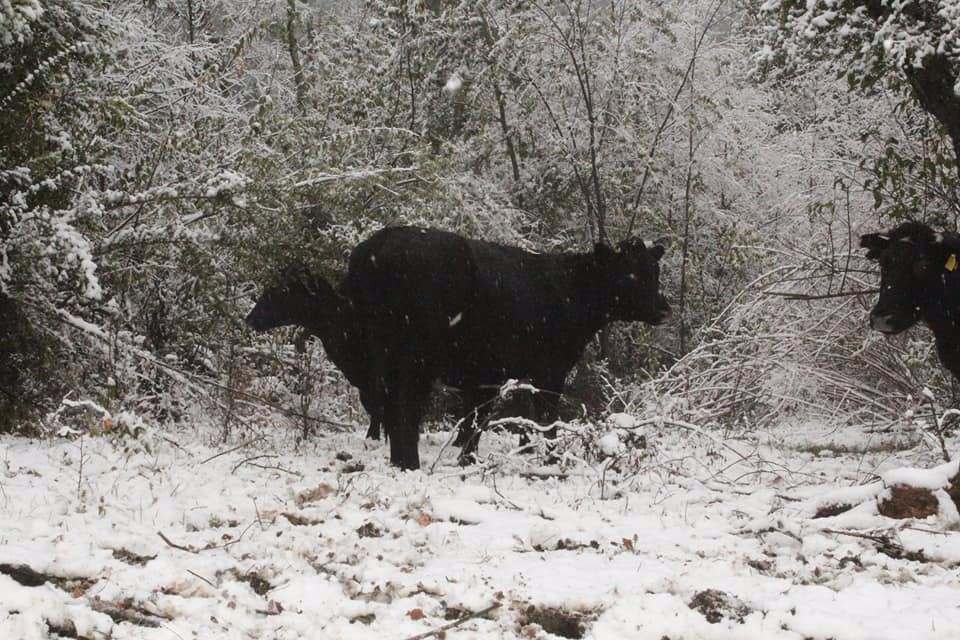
[(294, 48), (190, 33), (505, 131), (687, 214)]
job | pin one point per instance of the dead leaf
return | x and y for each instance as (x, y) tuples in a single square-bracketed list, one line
[(416, 614), (316, 494)]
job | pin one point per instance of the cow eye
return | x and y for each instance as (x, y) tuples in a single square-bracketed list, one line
[(921, 267)]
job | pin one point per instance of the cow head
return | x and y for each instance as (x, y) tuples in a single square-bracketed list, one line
[(289, 300), (914, 263), (632, 273)]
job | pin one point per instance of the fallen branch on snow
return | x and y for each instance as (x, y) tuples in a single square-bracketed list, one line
[(439, 631), (174, 544), (823, 296)]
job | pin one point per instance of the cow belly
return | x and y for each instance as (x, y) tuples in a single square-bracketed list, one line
[(491, 360)]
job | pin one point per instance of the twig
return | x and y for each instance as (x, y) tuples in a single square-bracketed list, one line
[(938, 424), (231, 450), (789, 534), (275, 468), (194, 380), (174, 544), (509, 502), (197, 575), (251, 458), (456, 623), (453, 436), (886, 544), (133, 615), (823, 296), (873, 537), (256, 510), (80, 474), (239, 538)]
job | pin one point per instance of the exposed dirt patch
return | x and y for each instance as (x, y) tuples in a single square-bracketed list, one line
[(369, 530), (258, 583), (24, 574), (830, 510), (716, 605), (559, 622), (125, 555), (74, 586), (909, 502), (954, 490)]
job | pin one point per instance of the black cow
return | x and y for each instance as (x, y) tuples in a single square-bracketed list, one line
[(308, 301), (433, 305), (919, 280)]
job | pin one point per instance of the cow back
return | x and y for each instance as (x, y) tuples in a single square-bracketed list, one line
[(412, 288)]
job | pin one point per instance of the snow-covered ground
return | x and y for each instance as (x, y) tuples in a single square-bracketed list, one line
[(329, 541)]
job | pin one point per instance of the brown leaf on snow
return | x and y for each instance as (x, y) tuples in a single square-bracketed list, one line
[(298, 520), (316, 494), (424, 519), (416, 614)]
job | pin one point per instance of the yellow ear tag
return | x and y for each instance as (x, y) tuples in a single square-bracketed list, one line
[(951, 262)]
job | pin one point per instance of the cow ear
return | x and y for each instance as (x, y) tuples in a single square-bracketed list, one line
[(944, 252), (874, 243), (657, 251), (951, 241)]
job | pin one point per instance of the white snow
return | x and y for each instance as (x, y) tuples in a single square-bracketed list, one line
[(610, 444), (304, 546), (454, 83), (935, 478)]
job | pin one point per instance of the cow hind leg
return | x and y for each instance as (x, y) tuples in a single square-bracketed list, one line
[(476, 407), (546, 410), (405, 410)]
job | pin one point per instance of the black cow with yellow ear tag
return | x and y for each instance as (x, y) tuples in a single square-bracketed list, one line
[(919, 281)]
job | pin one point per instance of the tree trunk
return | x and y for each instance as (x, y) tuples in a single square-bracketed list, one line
[(933, 86), (294, 48)]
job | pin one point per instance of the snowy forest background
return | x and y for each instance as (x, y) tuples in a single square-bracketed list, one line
[(163, 160), (761, 466)]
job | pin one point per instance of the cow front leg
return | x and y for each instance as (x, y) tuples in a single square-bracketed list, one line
[(370, 405), (406, 410), (373, 431), (546, 409), (476, 408)]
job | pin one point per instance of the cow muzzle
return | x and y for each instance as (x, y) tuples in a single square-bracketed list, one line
[(257, 321), (888, 323)]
